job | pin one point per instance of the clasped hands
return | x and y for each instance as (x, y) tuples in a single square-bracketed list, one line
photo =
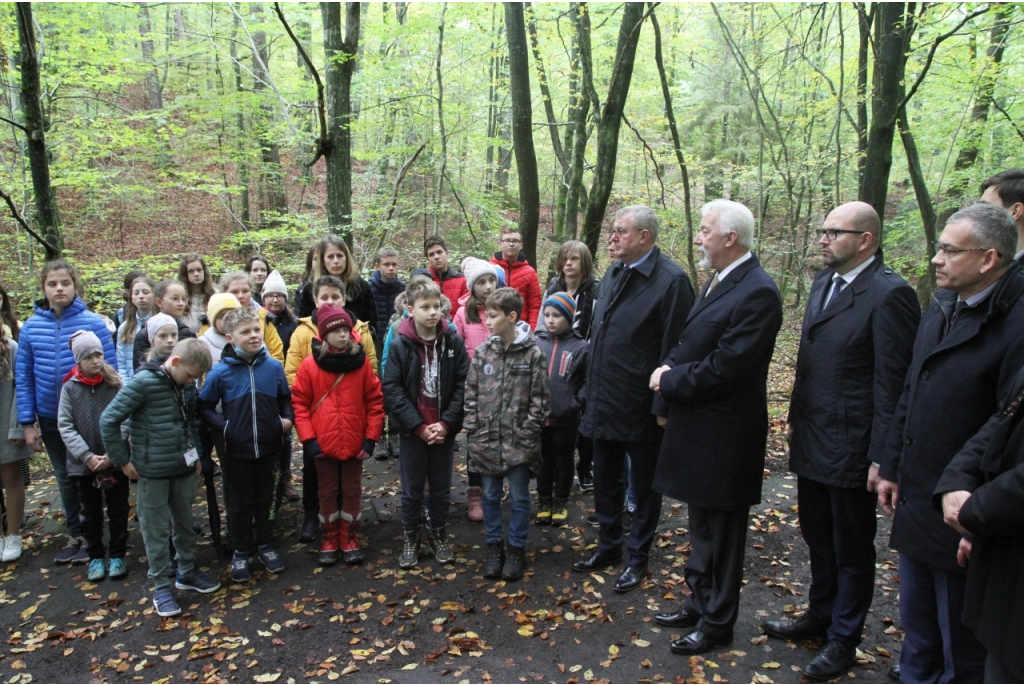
[(433, 434)]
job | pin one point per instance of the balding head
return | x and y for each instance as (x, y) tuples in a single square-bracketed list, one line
[(857, 231)]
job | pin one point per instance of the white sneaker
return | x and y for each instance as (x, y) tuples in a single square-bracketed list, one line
[(11, 548)]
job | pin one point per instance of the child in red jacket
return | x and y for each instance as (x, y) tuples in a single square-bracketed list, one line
[(339, 415)]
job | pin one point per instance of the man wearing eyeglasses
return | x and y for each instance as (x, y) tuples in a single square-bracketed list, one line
[(967, 351), (519, 274), (855, 347)]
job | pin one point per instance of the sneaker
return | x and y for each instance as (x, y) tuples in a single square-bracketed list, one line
[(592, 520), (97, 570), (68, 553), (438, 540), (586, 483), (117, 568), (240, 568), (164, 603), (82, 555), (410, 549), (270, 559), (11, 548), (195, 581), (544, 513), (291, 493), (559, 513), (393, 444), (380, 452)]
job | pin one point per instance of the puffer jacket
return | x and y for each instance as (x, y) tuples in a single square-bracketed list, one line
[(507, 403), (162, 427), (567, 358), (285, 324), (349, 413), (125, 352), (254, 397), (302, 343), (215, 342), (523, 277), (384, 295), (143, 345), (473, 334), (453, 286), (78, 418), (44, 357)]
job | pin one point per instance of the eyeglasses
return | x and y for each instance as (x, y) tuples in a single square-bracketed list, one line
[(511, 241), (953, 251), (833, 233), (273, 296)]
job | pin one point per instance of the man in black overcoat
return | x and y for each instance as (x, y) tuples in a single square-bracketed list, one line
[(968, 349), (855, 346), (641, 305), (713, 386)]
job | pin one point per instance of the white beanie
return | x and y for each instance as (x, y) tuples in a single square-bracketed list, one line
[(473, 268), (156, 322), (274, 284)]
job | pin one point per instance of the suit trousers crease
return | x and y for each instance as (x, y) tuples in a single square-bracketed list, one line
[(610, 496), (714, 569)]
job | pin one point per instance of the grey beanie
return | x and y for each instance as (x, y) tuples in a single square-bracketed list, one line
[(84, 344)]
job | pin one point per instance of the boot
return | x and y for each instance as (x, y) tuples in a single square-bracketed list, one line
[(350, 551), (559, 513), (310, 527), (476, 507), (290, 493), (439, 545), (515, 563), (495, 559), (329, 541), (393, 444), (544, 512), (410, 549), (380, 453)]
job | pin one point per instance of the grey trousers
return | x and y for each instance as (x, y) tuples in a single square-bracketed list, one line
[(165, 511)]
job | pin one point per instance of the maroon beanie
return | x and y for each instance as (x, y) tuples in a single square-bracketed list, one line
[(329, 317)]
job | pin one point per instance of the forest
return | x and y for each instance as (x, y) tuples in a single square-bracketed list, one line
[(135, 132)]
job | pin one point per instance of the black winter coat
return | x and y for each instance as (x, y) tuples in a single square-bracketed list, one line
[(635, 328), (953, 386), (384, 295), (849, 374), (566, 361), (715, 394)]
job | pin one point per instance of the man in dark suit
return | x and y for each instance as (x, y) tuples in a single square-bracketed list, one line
[(855, 346), (967, 351), (1006, 190), (641, 305), (713, 389)]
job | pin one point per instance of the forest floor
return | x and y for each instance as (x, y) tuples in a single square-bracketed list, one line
[(376, 623)]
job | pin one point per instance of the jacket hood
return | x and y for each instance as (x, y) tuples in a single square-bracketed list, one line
[(77, 306), (154, 364), (231, 357), (216, 340), (500, 258), (449, 272), (524, 339), (407, 329), (338, 362), (548, 335)]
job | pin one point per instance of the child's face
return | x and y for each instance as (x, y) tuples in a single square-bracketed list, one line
[(335, 260), (241, 290), (174, 300), (182, 373), (258, 272), (247, 336), (554, 321), (437, 258), (218, 323), (426, 312), (388, 268), (484, 286), (142, 297), (59, 288), (196, 272), (274, 302), (165, 340), (91, 365), (339, 339), (330, 294), (511, 243), (571, 266), (501, 324)]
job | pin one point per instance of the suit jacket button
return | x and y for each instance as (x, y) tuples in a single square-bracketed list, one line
[(925, 375), (910, 441), (903, 501)]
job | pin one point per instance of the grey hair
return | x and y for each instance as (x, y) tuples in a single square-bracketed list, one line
[(642, 218), (732, 217), (992, 227)]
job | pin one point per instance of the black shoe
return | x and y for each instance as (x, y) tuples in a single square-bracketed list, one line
[(631, 578), (698, 642), (310, 528), (592, 520), (437, 538), (495, 560), (894, 671), (795, 628), (597, 560), (515, 563), (680, 619), (831, 662), (586, 483)]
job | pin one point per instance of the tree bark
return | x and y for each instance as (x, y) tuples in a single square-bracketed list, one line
[(271, 178), (925, 286), (243, 167), (575, 195), (154, 94), (340, 52), (864, 21), (522, 129), (443, 162)]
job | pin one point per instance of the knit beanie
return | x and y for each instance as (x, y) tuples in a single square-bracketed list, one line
[(473, 268), (563, 303), (156, 322), (500, 273), (275, 284), (222, 302), (330, 317), (84, 344)]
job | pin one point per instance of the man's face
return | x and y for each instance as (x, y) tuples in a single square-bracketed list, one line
[(437, 258), (710, 242), (626, 242), (59, 288), (328, 294), (991, 196), (388, 268), (247, 336), (510, 246), (955, 270), (841, 251)]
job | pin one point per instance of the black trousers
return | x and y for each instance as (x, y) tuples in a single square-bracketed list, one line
[(419, 465), (714, 569), (557, 445), (585, 448), (838, 525), (92, 514), (249, 491), (610, 495)]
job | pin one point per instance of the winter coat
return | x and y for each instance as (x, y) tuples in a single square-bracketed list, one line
[(384, 295), (358, 301), (404, 374), (285, 324), (125, 352), (955, 383), (301, 345), (453, 286), (523, 277), (566, 357), (143, 346), (254, 397), (44, 357), (78, 419), (349, 414), (473, 334), (396, 321), (10, 429), (215, 341), (162, 427), (585, 296), (991, 467)]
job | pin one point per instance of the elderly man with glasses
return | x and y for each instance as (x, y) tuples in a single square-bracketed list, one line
[(968, 349)]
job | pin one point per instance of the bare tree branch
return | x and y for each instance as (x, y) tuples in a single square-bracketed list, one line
[(322, 143), (17, 217)]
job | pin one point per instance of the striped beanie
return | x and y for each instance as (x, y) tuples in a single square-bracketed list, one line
[(564, 303)]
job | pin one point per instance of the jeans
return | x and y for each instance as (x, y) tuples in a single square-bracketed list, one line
[(92, 514), (519, 495), (58, 454), (557, 444), (420, 464), (249, 495), (340, 479), (165, 510)]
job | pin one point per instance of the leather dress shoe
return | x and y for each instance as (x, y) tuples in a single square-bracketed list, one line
[(597, 560), (831, 662), (698, 642), (680, 619), (894, 671), (631, 578), (795, 628)]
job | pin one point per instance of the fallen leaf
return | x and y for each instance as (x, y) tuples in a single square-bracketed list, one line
[(641, 643), (266, 677), (771, 664), (409, 667)]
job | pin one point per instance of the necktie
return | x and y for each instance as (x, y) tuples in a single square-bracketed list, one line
[(955, 318), (621, 283), (711, 285), (837, 287)]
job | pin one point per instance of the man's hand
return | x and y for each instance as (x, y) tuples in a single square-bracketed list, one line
[(656, 377), (662, 421), (130, 471), (286, 425), (963, 553), (888, 493), (789, 433), (33, 439), (952, 502), (873, 478), (199, 467)]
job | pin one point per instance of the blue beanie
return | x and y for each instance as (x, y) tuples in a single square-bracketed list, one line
[(563, 303)]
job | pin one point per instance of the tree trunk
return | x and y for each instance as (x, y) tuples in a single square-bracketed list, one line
[(522, 129), (271, 178), (243, 167), (47, 216), (925, 286), (575, 197), (611, 118), (864, 21), (340, 52), (443, 162), (154, 96)]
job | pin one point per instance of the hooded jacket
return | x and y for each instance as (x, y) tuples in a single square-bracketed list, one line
[(585, 296), (254, 397), (473, 334), (125, 352), (44, 357), (349, 413), (452, 284), (78, 419), (523, 277), (285, 324), (566, 356), (301, 345), (384, 295), (507, 403), (215, 341)]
